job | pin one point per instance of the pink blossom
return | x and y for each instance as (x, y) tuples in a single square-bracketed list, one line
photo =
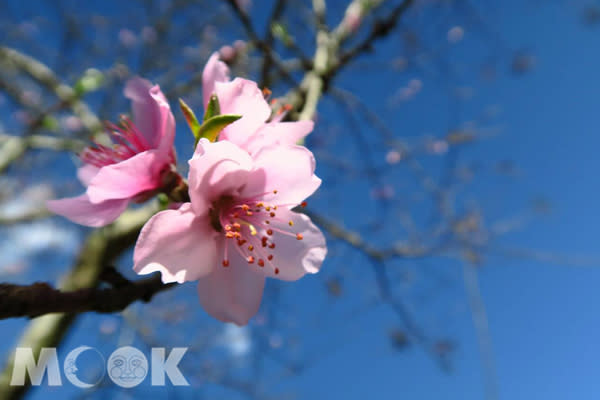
[(238, 228), (353, 17), (456, 34), (227, 53), (243, 97), (127, 38), (133, 167), (393, 157)]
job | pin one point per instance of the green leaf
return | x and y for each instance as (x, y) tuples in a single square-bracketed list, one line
[(190, 118), (281, 32), (211, 128), (90, 81), (50, 123), (212, 108)]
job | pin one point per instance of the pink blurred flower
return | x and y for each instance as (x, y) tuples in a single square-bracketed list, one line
[(243, 97), (127, 38), (238, 229), (456, 34), (227, 53), (244, 4), (71, 123), (393, 157), (438, 147), (353, 17), (129, 170), (240, 45)]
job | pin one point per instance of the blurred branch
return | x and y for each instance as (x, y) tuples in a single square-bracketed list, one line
[(278, 9), (313, 81), (380, 29), (355, 240), (13, 147), (101, 248), (46, 142), (327, 57), (320, 10), (10, 151), (44, 75), (545, 256), (482, 329), (41, 298), (25, 217), (267, 50), (18, 95)]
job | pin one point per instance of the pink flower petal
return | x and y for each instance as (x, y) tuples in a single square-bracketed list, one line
[(86, 173), (279, 133), (290, 171), (151, 113), (165, 124), (233, 293), (242, 97), (126, 179), (216, 169), (178, 244), (80, 210), (294, 258), (214, 71)]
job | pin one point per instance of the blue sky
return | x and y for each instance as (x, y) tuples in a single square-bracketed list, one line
[(542, 316)]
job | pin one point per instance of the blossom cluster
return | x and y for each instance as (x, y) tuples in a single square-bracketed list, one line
[(238, 223)]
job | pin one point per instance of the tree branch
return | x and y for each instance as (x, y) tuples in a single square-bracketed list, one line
[(379, 29), (278, 9), (40, 298), (327, 58), (44, 75), (100, 249), (268, 52)]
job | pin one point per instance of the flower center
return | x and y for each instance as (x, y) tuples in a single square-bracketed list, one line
[(127, 142), (248, 226)]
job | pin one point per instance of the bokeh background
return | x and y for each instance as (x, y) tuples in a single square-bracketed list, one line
[(458, 154)]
